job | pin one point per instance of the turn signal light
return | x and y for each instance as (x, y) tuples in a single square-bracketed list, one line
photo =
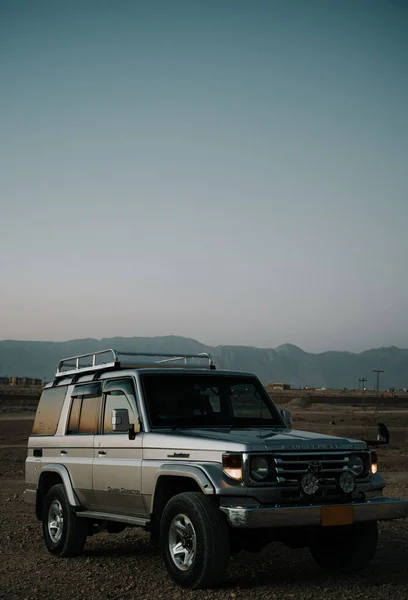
[(232, 464), (374, 463)]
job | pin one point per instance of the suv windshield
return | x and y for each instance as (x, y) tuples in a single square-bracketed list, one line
[(196, 400)]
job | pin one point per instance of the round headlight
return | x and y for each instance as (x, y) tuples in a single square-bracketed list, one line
[(356, 465), (259, 469), (309, 484), (347, 482)]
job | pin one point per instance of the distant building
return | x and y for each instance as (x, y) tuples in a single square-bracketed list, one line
[(23, 381), (279, 387)]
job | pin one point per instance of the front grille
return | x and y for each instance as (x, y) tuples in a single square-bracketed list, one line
[(290, 466), (287, 468)]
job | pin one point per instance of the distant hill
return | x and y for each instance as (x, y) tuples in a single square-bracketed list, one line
[(287, 363)]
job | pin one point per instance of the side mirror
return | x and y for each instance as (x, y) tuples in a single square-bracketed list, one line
[(120, 420), (383, 433), (287, 417), (383, 436)]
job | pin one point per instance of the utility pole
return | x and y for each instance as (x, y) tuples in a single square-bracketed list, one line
[(378, 371), (362, 381)]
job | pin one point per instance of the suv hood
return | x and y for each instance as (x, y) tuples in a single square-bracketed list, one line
[(273, 439)]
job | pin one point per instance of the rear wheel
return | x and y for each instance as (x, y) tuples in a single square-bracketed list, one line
[(194, 541), (64, 533), (347, 549)]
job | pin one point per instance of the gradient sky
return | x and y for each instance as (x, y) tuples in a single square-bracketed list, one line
[(233, 171)]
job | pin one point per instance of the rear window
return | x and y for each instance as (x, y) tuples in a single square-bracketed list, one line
[(49, 411)]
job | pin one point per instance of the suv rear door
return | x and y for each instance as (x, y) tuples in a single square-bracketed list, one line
[(117, 470), (77, 446)]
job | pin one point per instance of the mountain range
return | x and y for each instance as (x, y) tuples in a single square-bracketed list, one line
[(287, 363)]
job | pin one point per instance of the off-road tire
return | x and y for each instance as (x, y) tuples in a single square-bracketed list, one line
[(347, 550), (212, 538), (74, 529)]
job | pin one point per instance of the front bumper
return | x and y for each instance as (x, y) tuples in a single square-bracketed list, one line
[(375, 509)]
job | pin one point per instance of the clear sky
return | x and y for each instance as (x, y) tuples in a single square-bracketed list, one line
[(232, 171)]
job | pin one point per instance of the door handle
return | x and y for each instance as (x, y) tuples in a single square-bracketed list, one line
[(102, 452), (63, 452)]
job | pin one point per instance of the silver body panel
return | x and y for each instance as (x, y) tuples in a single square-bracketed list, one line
[(115, 477), (117, 474)]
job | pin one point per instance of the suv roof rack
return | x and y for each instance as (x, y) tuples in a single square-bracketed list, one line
[(96, 361)]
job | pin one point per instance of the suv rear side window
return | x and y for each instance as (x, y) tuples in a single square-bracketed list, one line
[(49, 411), (88, 420), (83, 418), (74, 416)]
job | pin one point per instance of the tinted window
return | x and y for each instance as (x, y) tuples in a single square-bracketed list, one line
[(191, 400), (74, 416), (246, 403), (48, 411), (88, 419), (116, 399), (85, 405)]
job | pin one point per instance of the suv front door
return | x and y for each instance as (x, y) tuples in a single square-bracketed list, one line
[(117, 469)]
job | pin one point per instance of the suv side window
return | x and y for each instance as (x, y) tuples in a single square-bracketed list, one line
[(49, 410), (89, 416), (83, 418), (118, 394), (74, 416)]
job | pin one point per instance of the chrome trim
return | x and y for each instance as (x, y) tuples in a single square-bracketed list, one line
[(93, 367), (55, 521), (101, 516), (284, 476), (182, 542), (116, 363), (376, 509)]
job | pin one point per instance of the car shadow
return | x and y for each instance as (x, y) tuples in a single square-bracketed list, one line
[(275, 565)]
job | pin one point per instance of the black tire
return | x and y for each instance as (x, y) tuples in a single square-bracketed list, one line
[(73, 529), (345, 550), (211, 536)]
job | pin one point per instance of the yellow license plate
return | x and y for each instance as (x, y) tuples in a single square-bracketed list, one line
[(336, 515)]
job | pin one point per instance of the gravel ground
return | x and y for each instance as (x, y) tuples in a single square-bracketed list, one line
[(124, 566)]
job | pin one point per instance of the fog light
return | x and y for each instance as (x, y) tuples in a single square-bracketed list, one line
[(309, 484), (347, 482)]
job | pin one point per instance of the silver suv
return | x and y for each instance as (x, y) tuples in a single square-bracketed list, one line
[(200, 458)]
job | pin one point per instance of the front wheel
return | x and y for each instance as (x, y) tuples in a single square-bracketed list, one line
[(347, 549), (64, 533), (194, 541)]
